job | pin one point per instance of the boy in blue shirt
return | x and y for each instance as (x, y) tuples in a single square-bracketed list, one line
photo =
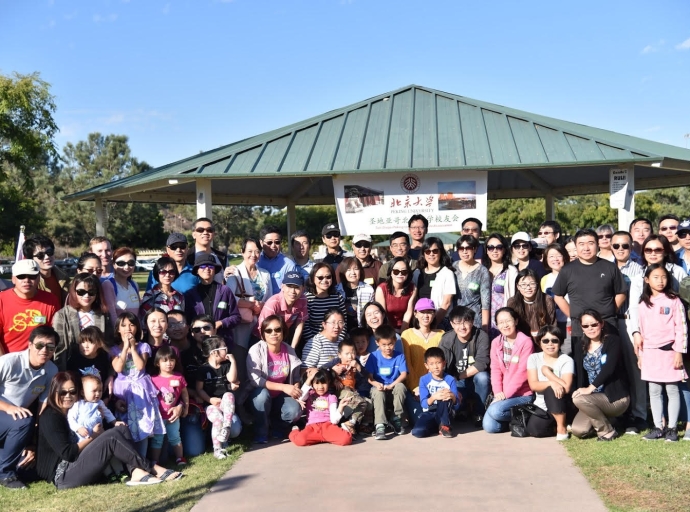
[(438, 395), (387, 370)]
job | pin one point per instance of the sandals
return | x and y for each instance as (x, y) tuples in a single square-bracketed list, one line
[(167, 475), (145, 480)]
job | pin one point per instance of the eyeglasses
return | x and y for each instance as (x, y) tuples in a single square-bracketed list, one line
[(47, 252), (544, 233), (335, 324), (166, 272), (178, 247), (464, 323), (64, 392), (48, 346), (654, 250), (130, 263), (363, 245), (525, 286), (669, 228), (324, 278), (606, 236), (271, 242), (470, 230), (497, 247), (550, 341), (521, 246), (331, 235), (397, 272), (81, 292), (618, 246), (205, 230), (206, 267), (464, 248), (277, 330), (432, 251), (26, 276), (98, 270), (588, 326), (205, 328)]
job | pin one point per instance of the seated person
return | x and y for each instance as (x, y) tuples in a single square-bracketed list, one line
[(466, 350), (438, 395)]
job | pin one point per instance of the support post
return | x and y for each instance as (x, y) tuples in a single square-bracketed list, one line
[(625, 217), (622, 195), (204, 198), (550, 207), (291, 220), (101, 216)]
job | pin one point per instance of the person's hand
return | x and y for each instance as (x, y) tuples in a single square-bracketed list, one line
[(339, 368), (639, 361), (120, 424), (292, 391), (258, 306), (583, 391), (302, 404), (97, 430), (499, 396), (558, 390), (83, 432), (638, 341), (678, 361), (219, 324), (230, 270), (234, 386), (416, 393), (215, 401), (344, 403), (18, 413), (379, 386), (175, 413), (28, 458), (231, 358)]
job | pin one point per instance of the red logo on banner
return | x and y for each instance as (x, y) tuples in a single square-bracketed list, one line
[(410, 183)]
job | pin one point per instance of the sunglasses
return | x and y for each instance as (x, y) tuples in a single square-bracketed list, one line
[(668, 228), (129, 263), (545, 233), (272, 242), (277, 330), (550, 341), (362, 245), (587, 326), (498, 247), (178, 247), (47, 252), (683, 235), (98, 270), (432, 251), (48, 346), (397, 272), (332, 235), (324, 278), (521, 246), (607, 236), (464, 248), (205, 328), (618, 246), (64, 392), (205, 230), (26, 276), (206, 267), (81, 292), (166, 272), (655, 250), (470, 230)]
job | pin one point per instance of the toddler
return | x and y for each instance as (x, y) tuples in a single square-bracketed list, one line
[(92, 354), (87, 415)]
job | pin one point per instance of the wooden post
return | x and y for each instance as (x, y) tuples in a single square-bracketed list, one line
[(204, 198), (550, 207), (291, 220)]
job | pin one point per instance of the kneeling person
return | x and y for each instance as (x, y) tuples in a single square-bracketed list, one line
[(438, 396)]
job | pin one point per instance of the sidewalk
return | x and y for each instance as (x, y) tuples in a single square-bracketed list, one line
[(474, 469)]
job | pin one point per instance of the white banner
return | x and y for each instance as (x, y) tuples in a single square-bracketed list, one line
[(382, 203)]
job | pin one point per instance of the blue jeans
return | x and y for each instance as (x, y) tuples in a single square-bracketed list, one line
[(429, 422), (413, 407), (685, 402), (14, 437), (498, 414), (475, 388), (283, 410), (173, 432)]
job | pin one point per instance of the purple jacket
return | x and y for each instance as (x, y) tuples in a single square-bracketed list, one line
[(224, 309)]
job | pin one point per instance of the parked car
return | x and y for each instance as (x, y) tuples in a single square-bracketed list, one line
[(6, 266)]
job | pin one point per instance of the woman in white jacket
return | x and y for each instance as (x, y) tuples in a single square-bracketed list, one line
[(434, 277), (355, 292)]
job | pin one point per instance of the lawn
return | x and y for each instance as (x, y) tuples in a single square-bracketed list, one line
[(200, 474), (635, 475)]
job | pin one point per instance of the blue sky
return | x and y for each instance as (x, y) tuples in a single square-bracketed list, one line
[(179, 77)]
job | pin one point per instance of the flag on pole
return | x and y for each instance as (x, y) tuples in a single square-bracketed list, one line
[(20, 245)]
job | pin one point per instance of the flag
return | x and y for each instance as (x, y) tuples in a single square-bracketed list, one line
[(20, 245)]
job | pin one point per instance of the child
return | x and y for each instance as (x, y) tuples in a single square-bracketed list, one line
[(133, 390), (215, 380), (349, 378), (438, 396), (86, 416), (387, 369), (174, 402), (92, 354), (323, 412), (360, 336), (664, 341)]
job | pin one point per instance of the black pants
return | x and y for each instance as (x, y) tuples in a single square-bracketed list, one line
[(88, 468), (544, 426)]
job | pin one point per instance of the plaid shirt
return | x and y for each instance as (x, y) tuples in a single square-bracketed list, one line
[(156, 298)]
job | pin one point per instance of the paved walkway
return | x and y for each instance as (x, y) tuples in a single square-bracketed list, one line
[(473, 470)]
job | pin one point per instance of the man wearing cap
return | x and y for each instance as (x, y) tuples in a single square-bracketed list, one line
[(203, 233), (330, 234), (418, 226), (271, 259), (51, 279), (400, 248), (361, 245), (300, 245), (176, 248), (289, 304), (24, 381), (683, 254), (24, 307), (522, 249)]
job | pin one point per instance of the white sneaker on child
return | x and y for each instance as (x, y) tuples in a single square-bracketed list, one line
[(219, 454)]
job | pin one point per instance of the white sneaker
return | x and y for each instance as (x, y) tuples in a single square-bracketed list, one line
[(562, 437), (219, 454)]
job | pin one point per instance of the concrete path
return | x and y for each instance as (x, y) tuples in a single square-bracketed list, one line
[(473, 470)]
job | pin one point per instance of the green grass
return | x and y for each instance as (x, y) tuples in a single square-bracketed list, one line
[(635, 475), (200, 474)]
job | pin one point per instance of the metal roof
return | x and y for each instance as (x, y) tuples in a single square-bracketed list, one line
[(412, 128)]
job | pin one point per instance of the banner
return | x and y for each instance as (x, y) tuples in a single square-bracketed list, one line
[(382, 203)]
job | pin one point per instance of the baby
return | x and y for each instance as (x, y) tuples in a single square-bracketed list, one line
[(87, 415)]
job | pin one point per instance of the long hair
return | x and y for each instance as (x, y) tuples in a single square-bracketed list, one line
[(669, 254), (134, 320), (539, 302), (407, 285), (506, 251), (444, 259), (600, 320), (646, 296), (58, 380), (311, 283), (92, 282)]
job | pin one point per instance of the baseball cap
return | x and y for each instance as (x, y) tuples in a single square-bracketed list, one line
[(424, 304), (25, 267), (361, 238), (684, 225), (521, 236), (293, 278), (176, 238), (329, 228)]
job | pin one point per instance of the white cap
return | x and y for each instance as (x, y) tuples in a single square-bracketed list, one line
[(520, 235), (24, 267)]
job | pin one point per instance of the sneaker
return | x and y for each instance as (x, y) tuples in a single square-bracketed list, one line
[(445, 431), (398, 426), (654, 434), (224, 434), (562, 437), (12, 482), (632, 430), (686, 437), (478, 420), (219, 454), (181, 461), (380, 432), (671, 435)]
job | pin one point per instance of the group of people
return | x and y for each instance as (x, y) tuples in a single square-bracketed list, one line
[(96, 370)]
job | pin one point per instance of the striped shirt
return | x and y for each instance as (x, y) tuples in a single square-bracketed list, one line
[(318, 351), (317, 307)]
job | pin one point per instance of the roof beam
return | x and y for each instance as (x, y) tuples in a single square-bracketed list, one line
[(538, 182), (302, 189)]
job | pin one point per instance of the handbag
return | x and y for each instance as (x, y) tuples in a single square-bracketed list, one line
[(246, 312), (519, 417)]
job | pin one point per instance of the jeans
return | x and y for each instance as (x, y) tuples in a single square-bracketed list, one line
[(283, 410), (429, 422), (413, 406), (14, 435), (475, 388), (685, 402), (498, 414), (173, 432)]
